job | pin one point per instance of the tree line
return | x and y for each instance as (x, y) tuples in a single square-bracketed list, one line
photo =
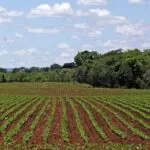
[(114, 69)]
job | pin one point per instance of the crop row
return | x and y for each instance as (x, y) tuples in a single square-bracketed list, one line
[(135, 105), (101, 106), (14, 116), (123, 120), (13, 102), (28, 135), (127, 112), (17, 105), (105, 116), (10, 134), (126, 106)]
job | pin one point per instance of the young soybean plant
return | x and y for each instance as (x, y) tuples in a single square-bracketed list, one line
[(93, 121), (138, 106), (131, 107), (17, 105), (65, 133), (111, 125), (49, 122), (127, 124), (79, 123), (13, 117), (30, 133), (13, 101), (144, 124), (8, 136)]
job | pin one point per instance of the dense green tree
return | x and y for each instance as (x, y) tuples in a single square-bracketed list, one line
[(69, 65), (3, 70), (146, 77), (55, 66), (85, 56), (117, 68), (2, 77)]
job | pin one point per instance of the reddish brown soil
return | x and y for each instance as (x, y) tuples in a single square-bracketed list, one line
[(1, 139), (7, 108), (15, 110), (88, 127), (75, 137), (102, 123), (131, 138), (135, 113), (13, 124), (39, 130), (19, 137), (55, 132), (144, 106), (129, 119)]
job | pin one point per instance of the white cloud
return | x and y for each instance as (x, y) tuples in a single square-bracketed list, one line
[(118, 20), (87, 47), (95, 33), (92, 2), (5, 20), (81, 13), (64, 58), (136, 1), (81, 26), (43, 30), (131, 29), (113, 20), (6, 16), (64, 55), (64, 46), (4, 13), (45, 10), (26, 52), (100, 12), (19, 35), (104, 15), (6, 40), (3, 52), (116, 44)]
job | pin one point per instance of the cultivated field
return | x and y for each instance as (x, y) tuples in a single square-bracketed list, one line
[(51, 115)]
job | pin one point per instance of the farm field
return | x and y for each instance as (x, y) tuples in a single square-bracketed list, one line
[(61, 116)]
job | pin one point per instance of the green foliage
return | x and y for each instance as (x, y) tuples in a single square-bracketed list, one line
[(124, 121), (28, 135), (79, 123), (128, 113), (111, 125), (65, 133), (115, 69), (93, 121), (49, 123), (84, 57), (11, 133)]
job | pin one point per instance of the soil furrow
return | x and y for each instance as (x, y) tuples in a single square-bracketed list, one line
[(14, 111), (129, 119), (131, 137), (55, 132), (72, 126), (111, 136), (19, 137), (137, 114), (88, 127), (39, 130)]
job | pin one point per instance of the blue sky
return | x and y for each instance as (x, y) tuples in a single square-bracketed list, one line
[(43, 32)]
